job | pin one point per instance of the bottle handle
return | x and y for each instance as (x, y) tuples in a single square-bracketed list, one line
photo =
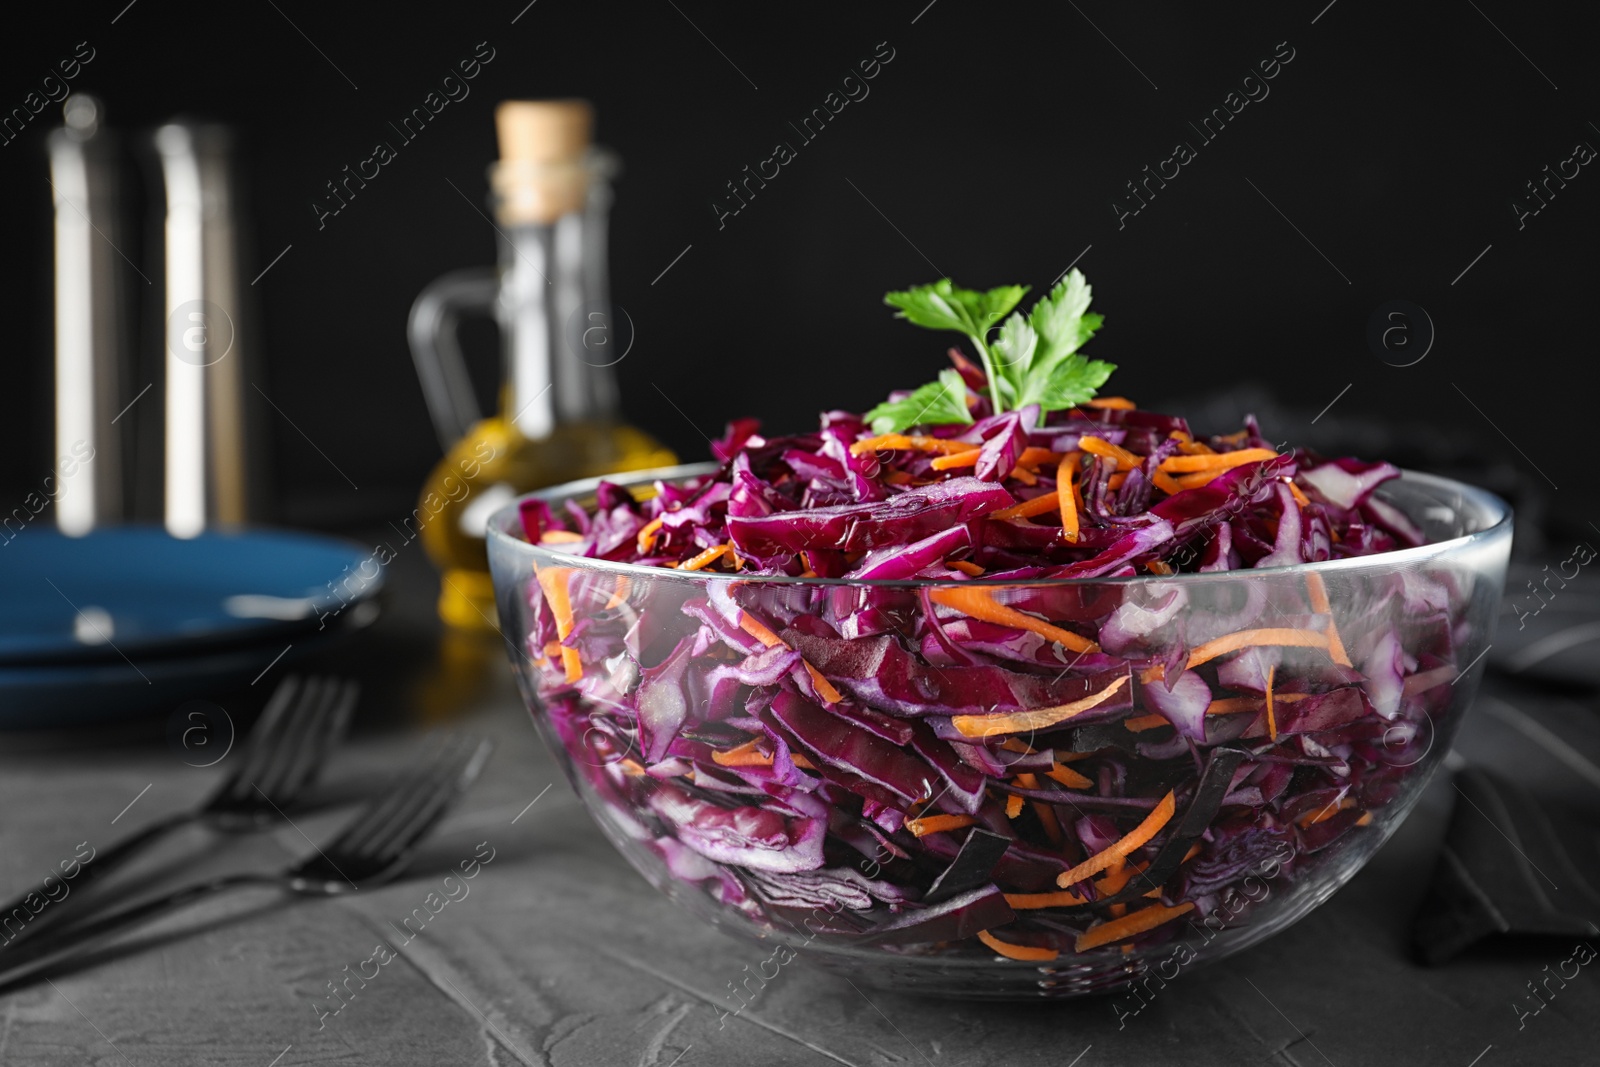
[(442, 369)]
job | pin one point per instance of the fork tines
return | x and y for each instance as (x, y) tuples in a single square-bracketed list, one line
[(415, 801), (302, 721)]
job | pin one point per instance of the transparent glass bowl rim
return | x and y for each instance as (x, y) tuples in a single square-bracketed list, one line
[(505, 529)]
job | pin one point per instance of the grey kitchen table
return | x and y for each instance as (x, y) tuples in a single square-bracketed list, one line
[(559, 954)]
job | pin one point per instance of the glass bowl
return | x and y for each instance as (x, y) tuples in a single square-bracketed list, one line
[(760, 749)]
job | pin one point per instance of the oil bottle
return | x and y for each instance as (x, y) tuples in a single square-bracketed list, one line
[(559, 416)]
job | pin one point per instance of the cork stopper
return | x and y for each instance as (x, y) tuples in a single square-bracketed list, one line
[(543, 144)]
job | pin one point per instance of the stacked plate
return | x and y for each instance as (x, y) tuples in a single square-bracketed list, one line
[(130, 619)]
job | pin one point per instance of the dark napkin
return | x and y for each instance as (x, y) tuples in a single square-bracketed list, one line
[(1509, 866)]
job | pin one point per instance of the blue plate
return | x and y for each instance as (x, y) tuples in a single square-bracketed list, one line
[(130, 593), (62, 696)]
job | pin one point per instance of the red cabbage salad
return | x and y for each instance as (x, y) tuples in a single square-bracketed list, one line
[(946, 747)]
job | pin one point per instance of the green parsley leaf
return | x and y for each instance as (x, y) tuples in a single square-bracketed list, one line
[(1013, 351), (945, 306), (935, 404), (1031, 360), (1061, 317), (1072, 381)]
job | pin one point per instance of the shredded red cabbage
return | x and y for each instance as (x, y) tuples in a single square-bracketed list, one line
[(905, 757)]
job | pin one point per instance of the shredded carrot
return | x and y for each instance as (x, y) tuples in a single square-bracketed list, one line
[(1272, 718), (1166, 483), (559, 537), (746, 755), (1099, 446), (1195, 448), (1017, 744), (1029, 508), (1365, 820), (1116, 480), (1317, 593), (933, 824), (647, 535), (965, 566), (553, 581), (1111, 403), (1218, 462), (1045, 813), (1025, 476), (1323, 814), (1068, 777), (957, 459), (1129, 925), (1013, 807), (1221, 646), (1021, 722), (900, 442), (552, 649), (1423, 681), (1120, 849), (825, 688), (800, 761), (705, 559), (1155, 566), (631, 766), (1117, 878), (1017, 952), (980, 604), (1201, 478), (1062, 899), (620, 596), (1194, 850), (1140, 723), (1068, 500), (1294, 491), (1033, 457), (1235, 705), (757, 629)]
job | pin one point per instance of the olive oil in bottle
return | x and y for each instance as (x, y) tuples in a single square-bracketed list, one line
[(559, 417)]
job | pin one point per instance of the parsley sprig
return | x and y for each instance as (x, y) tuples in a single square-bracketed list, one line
[(1030, 360)]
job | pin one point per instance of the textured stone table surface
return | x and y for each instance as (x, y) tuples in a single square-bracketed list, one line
[(559, 954)]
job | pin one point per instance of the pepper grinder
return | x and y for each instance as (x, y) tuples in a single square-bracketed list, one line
[(206, 473), (89, 325)]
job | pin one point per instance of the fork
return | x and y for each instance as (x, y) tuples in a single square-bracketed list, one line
[(374, 848), (286, 748)]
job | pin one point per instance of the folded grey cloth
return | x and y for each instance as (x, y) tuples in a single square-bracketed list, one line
[(1509, 866)]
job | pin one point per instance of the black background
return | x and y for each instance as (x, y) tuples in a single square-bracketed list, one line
[(990, 148)]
